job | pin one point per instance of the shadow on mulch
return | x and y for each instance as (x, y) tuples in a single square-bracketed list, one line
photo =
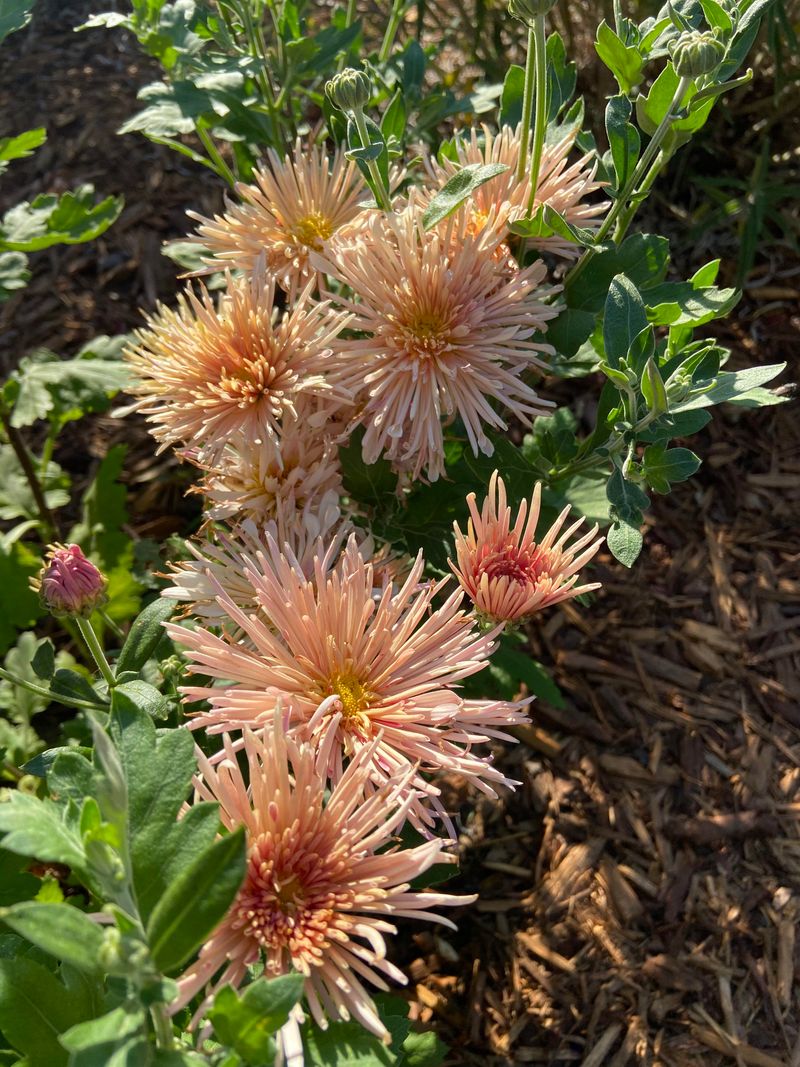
[(639, 893)]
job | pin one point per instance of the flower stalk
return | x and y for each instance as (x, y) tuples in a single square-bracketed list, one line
[(96, 649), (540, 117)]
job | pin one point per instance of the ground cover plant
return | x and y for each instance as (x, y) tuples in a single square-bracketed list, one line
[(342, 399)]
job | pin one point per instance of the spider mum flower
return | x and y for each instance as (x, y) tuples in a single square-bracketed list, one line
[(295, 207), (505, 571), (564, 187), (69, 583), (445, 335), (316, 898), (207, 373), (273, 479), (352, 667)]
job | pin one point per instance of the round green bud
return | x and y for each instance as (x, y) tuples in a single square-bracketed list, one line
[(350, 90), (527, 10), (695, 53)]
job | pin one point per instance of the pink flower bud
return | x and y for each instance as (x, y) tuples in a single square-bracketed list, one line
[(69, 583)]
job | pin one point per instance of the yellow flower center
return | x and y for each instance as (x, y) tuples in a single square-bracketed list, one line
[(353, 696), (312, 230), (426, 332)]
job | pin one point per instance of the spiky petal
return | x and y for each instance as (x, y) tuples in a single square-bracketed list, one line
[(505, 571)]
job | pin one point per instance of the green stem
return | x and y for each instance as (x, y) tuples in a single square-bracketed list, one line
[(117, 631), (46, 518), (381, 192), (220, 166), (391, 30), (39, 690), (631, 188), (527, 105), (627, 215), (540, 117), (162, 1026), (349, 19), (90, 637)]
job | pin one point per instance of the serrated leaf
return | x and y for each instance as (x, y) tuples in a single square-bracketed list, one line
[(457, 189), (16, 497), (72, 218), (196, 901), (24, 144), (60, 930), (38, 828)]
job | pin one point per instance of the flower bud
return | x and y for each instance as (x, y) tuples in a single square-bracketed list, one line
[(527, 10), (695, 53), (69, 583), (350, 90)]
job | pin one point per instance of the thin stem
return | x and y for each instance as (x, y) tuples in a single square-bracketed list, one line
[(381, 192), (39, 690), (47, 451), (391, 30), (349, 19), (631, 188), (46, 517), (162, 1026), (220, 166), (626, 217), (90, 637), (117, 631), (540, 118), (527, 105)]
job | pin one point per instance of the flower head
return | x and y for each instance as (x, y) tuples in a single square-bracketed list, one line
[(296, 207), (352, 665), (206, 373), (69, 583), (562, 186), (316, 897), (444, 334), (505, 571)]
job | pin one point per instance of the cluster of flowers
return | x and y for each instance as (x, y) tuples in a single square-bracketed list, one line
[(325, 662)]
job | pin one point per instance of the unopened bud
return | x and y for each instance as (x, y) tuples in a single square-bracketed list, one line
[(695, 53), (69, 583), (350, 90), (528, 10)]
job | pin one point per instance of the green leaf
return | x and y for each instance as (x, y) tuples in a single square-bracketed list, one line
[(34, 1009), (72, 218), (247, 1023), (196, 901), (457, 189), (24, 144), (623, 138), (625, 496), (171, 109), (393, 123), (116, 1039), (562, 76), (15, 882), (625, 542), (681, 303), (21, 606), (624, 62), (509, 669), (370, 484), (144, 635), (653, 389), (511, 100), (38, 828), (624, 318), (345, 1045), (423, 1050), (661, 466), (14, 273), (159, 773), (14, 14), (63, 390), (730, 385), (145, 696), (17, 499), (104, 513), (60, 930), (652, 107)]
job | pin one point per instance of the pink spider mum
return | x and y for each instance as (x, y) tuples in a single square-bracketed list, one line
[(316, 898), (351, 665), (563, 187), (508, 574), (296, 207), (445, 334), (207, 373), (274, 478)]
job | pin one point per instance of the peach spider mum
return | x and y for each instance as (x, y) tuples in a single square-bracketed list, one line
[(505, 571), (273, 479), (207, 373), (351, 665), (563, 187), (445, 334), (296, 206), (316, 897)]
